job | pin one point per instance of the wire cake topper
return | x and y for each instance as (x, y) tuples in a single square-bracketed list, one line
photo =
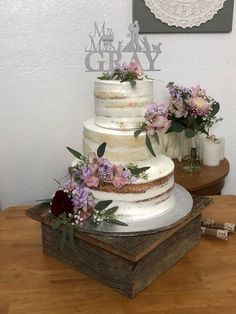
[(106, 53)]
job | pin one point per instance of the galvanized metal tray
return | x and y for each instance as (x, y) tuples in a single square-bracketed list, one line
[(180, 211)]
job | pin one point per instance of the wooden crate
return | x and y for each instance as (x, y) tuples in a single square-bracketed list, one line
[(126, 264)]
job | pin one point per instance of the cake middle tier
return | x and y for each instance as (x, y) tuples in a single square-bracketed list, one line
[(122, 146)]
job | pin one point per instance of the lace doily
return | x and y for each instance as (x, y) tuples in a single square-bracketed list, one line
[(184, 13)]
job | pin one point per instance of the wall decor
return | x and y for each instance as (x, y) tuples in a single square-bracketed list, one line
[(183, 16)]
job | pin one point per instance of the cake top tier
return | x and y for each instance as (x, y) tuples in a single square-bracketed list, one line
[(121, 98)]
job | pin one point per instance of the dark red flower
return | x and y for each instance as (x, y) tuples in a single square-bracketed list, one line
[(61, 203)]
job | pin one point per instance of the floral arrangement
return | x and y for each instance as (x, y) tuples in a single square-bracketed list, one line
[(156, 121), (94, 169), (191, 110), (126, 72), (74, 203)]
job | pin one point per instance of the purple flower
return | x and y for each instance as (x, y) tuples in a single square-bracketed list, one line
[(82, 197), (70, 186), (105, 170)]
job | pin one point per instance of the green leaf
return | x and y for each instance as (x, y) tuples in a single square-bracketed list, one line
[(136, 171), (101, 149), (171, 129), (75, 153), (132, 82), (178, 127), (58, 182), (156, 136), (189, 133), (137, 132), (56, 224), (111, 210), (149, 145), (102, 205), (116, 222), (191, 122), (215, 108)]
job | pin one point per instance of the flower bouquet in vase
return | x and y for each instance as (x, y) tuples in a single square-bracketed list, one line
[(192, 112)]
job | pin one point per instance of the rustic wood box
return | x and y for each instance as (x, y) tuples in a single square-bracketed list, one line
[(127, 264)]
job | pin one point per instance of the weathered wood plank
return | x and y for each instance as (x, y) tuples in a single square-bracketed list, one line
[(38, 212), (107, 268), (166, 254)]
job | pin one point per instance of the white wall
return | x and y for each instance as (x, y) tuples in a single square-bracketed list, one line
[(45, 93)]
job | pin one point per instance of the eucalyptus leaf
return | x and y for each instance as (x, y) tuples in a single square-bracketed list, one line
[(189, 133), (178, 127), (102, 205), (58, 182), (111, 210), (149, 145), (116, 222), (156, 136), (215, 109), (101, 149), (170, 129), (137, 132), (191, 121), (132, 82), (137, 171), (75, 153)]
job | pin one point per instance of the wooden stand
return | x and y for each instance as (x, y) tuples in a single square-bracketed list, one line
[(126, 264)]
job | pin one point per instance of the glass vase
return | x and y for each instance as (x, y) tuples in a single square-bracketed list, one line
[(191, 162)]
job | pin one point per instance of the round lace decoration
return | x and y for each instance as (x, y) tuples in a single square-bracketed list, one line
[(184, 13)]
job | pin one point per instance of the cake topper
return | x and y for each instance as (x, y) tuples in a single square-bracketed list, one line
[(106, 53)]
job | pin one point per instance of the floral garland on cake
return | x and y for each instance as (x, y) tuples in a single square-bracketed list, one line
[(125, 73), (73, 203)]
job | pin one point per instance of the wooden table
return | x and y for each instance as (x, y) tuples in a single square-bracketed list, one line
[(204, 281), (208, 181)]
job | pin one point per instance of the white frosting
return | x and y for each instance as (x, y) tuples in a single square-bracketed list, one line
[(120, 105), (130, 208), (122, 146)]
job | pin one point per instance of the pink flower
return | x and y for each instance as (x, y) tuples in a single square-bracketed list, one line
[(119, 176), (135, 67), (197, 91), (177, 108), (92, 181), (157, 119), (199, 107)]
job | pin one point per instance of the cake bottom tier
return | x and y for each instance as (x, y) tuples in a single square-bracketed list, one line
[(139, 201)]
